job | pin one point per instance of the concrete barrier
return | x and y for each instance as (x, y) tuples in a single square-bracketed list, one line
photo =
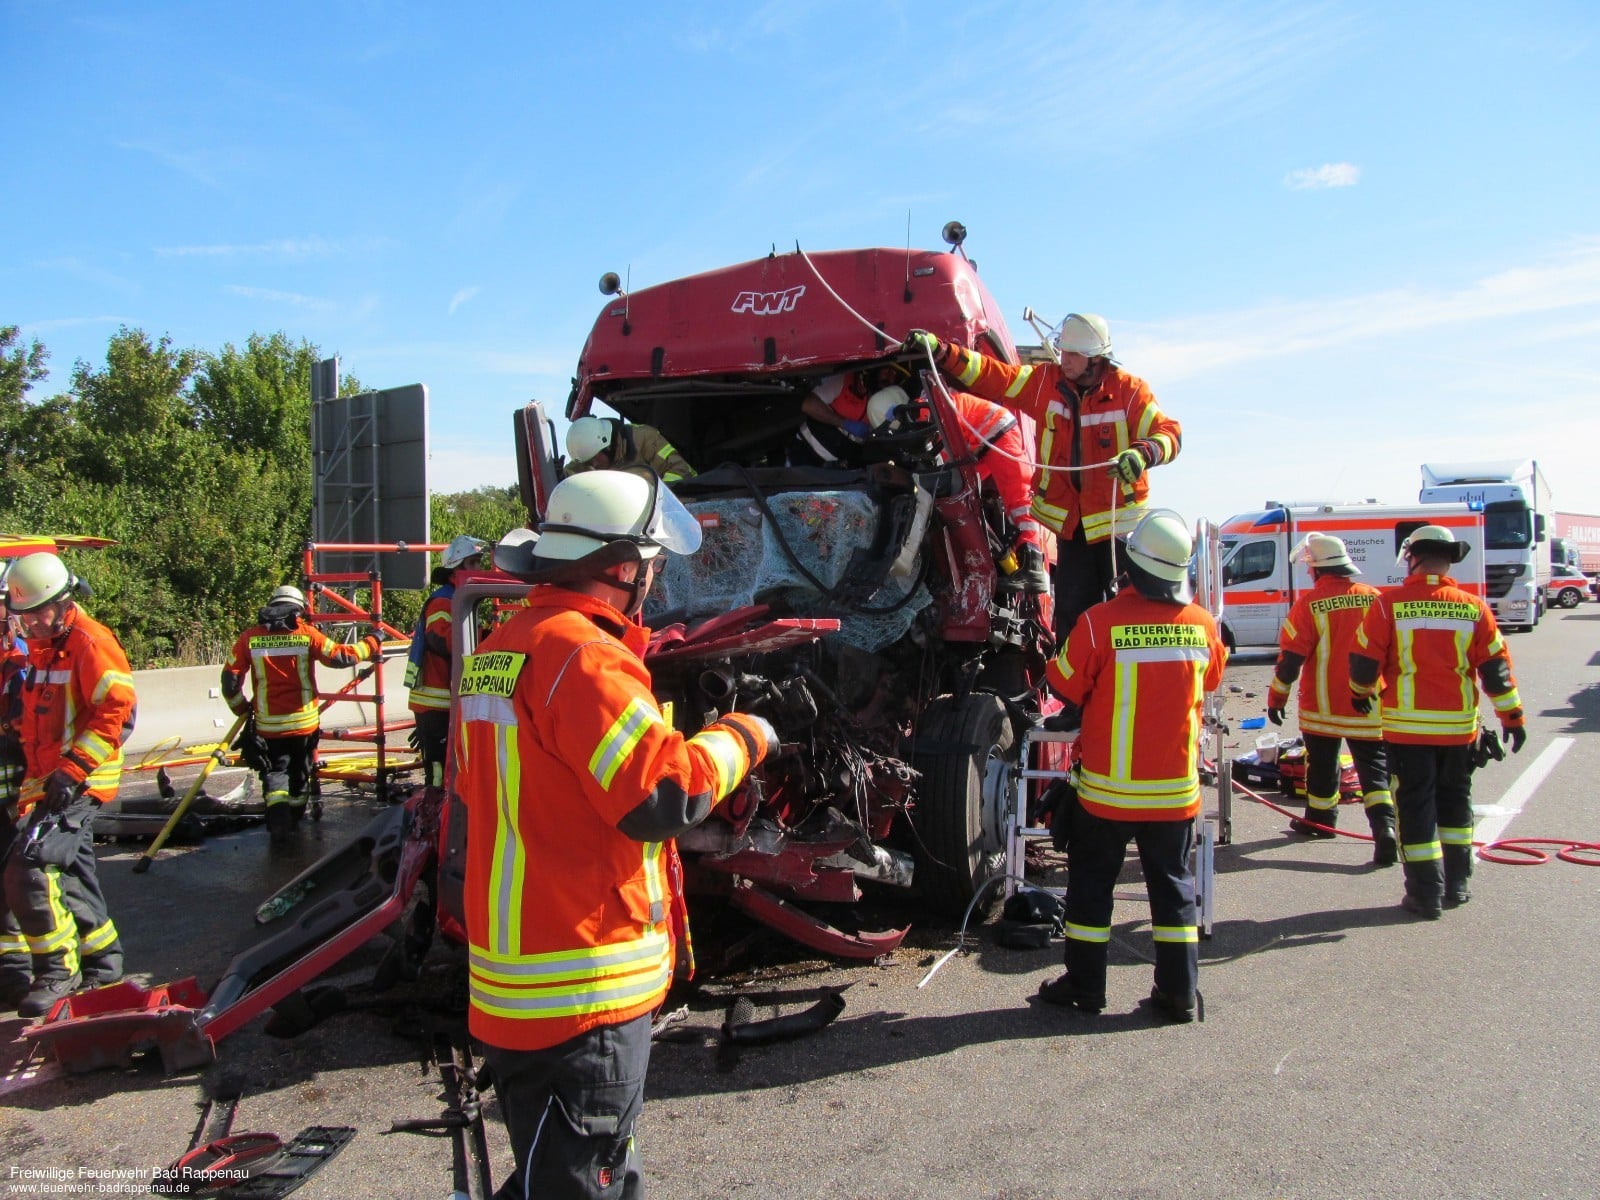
[(185, 703)]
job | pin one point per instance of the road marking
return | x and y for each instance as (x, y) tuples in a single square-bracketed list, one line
[(1502, 814)]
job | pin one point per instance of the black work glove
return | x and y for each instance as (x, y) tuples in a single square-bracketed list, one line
[(1516, 737), (1065, 721), (414, 739), (1487, 748), (1275, 715), (61, 790), (1063, 806), (1362, 704)]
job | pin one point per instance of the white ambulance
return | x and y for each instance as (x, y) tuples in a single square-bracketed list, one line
[(1260, 584)]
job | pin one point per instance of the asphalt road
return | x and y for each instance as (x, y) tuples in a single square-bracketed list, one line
[(1348, 1050)]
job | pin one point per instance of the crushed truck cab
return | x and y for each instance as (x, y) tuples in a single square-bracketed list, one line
[(901, 724)]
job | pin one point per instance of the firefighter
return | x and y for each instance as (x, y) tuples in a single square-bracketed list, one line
[(575, 784), (1427, 645), (1317, 636), (991, 435), (610, 444), (16, 969), (277, 654), (1135, 670), (428, 669), (834, 417), (78, 706), (1100, 431)]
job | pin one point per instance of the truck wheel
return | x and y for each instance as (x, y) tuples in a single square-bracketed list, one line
[(966, 754)]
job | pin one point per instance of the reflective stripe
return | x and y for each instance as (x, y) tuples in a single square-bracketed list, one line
[(1017, 384), (108, 681), (1179, 934), (971, 364), (620, 739), (1368, 728), (98, 938), (1166, 654), (570, 1001), (1375, 798), (1138, 795), (1087, 933), (483, 706), (727, 753), (1421, 852), (510, 859), (429, 697), (587, 962), (1506, 701), (1455, 835), (1322, 803)]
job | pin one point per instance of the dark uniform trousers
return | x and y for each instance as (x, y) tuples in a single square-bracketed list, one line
[(1322, 765), (1083, 578), (433, 740), (53, 891), (1094, 861), (1433, 793), (290, 761), (570, 1112)]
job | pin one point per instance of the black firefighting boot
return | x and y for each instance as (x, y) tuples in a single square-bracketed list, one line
[(1065, 994), (1178, 1010), (52, 981), (1317, 816), (1385, 846), (280, 818), (1457, 871), (1031, 572)]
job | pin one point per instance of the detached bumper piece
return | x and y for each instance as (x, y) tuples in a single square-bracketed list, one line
[(796, 923), (110, 1026), (253, 1166)]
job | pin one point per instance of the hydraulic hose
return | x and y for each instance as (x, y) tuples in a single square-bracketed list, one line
[(1511, 852)]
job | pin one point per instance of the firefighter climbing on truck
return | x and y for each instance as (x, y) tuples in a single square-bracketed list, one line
[(1100, 431), (428, 666)]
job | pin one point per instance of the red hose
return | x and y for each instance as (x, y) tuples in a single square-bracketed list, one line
[(1511, 852)]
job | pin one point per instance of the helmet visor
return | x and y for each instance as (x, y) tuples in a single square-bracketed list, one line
[(672, 526)]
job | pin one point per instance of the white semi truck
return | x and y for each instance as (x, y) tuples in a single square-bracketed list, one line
[(1515, 499)]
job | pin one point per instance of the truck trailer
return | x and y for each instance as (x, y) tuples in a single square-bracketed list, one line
[(1580, 536), (1516, 512), (1261, 583)]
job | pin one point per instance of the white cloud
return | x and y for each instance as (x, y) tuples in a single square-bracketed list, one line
[(271, 296), (1328, 175), (1206, 344), (462, 296)]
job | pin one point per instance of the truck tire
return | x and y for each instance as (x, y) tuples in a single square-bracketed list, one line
[(963, 749)]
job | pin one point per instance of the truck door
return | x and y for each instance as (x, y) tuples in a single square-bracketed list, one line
[(536, 458), (1256, 587)]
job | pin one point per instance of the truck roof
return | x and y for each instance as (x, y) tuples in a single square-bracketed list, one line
[(1494, 471), (1347, 516), (786, 313)]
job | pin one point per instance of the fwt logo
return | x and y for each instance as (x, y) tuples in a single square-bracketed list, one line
[(769, 304)]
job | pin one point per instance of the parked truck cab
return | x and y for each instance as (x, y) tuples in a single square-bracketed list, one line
[(1516, 506)]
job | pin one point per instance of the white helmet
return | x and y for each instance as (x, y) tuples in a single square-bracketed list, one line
[(589, 511), (1433, 540), (587, 437), (1160, 546), (460, 550), (882, 403), (288, 592), (1085, 334), (35, 580), (1324, 552)]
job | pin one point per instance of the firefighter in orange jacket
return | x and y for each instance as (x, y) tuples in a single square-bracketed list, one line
[(1136, 669), (990, 434), (16, 968), (1422, 643), (77, 711), (428, 671), (1317, 635), (1100, 430), (278, 654), (576, 784)]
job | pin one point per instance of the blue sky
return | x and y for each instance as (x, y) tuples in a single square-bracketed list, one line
[(1338, 240)]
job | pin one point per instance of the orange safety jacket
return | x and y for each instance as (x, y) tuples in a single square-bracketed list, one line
[(78, 709), (431, 688), (282, 680), (1119, 412), (1428, 637), (1140, 669), (570, 922), (1321, 629)]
